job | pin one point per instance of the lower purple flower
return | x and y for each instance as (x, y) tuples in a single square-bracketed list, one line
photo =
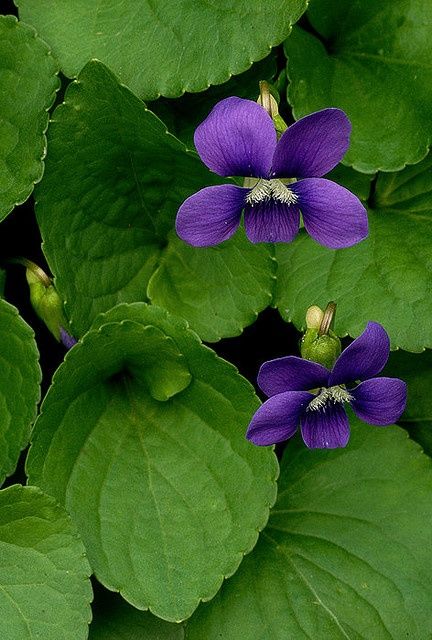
[(302, 392)]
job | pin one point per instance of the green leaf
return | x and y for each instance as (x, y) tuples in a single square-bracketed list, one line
[(167, 496), (44, 587), (371, 59), (20, 377), (107, 215), (28, 83), (386, 278), (346, 553), (236, 279), (416, 370), (184, 114), (166, 48), (116, 620)]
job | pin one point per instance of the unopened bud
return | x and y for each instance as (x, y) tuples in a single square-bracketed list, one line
[(45, 300), (269, 103), (320, 343)]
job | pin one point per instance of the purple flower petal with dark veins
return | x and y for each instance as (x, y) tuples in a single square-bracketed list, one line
[(379, 401), (364, 357), (278, 418), (271, 221), (237, 138), (210, 216), (325, 429), (313, 145), (291, 374), (332, 215)]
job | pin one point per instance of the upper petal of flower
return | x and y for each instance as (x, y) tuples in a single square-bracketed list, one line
[(237, 138), (313, 145), (364, 357), (325, 428), (332, 215), (291, 374), (271, 221), (379, 401), (210, 216), (278, 418)]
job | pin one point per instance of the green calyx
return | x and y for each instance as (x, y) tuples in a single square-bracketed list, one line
[(45, 299), (319, 343)]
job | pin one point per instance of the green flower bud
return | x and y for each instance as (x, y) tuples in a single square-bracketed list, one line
[(269, 102), (45, 300), (319, 343)]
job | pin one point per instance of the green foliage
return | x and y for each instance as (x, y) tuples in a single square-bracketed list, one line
[(106, 217), (346, 553), (28, 83), (386, 278), (163, 48), (186, 491), (20, 377), (371, 59), (44, 587)]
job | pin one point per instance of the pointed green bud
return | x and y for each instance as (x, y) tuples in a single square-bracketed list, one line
[(320, 343), (45, 299), (269, 103)]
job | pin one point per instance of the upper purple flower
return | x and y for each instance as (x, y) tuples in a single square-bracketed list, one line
[(302, 391), (238, 138)]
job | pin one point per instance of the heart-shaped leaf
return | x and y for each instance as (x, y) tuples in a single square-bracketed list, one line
[(371, 59), (167, 496)]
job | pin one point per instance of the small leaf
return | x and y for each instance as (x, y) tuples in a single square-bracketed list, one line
[(373, 61), (20, 378), (107, 217), (386, 278), (346, 553), (44, 587), (166, 48), (28, 83), (167, 496)]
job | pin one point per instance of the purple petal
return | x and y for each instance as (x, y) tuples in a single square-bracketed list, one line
[(313, 145), (326, 428), (67, 340), (364, 357), (237, 138), (291, 374), (210, 216), (278, 418), (379, 401), (332, 215), (271, 221)]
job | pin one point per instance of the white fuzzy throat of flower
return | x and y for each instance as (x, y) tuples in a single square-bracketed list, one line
[(328, 396), (266, 190)]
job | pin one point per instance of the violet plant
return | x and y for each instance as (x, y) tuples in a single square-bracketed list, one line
[(190, 446)]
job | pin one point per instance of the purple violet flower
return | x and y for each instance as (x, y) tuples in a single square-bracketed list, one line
[(302, 391), (238, 138)]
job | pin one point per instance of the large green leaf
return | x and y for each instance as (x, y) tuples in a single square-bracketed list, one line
[(45, 590), (163, 48), (387, 277), (346, 553), (167, 496), (28, 83), (184, 114), (371, 59), (106, 216), (416, 370), (116, 620), (20, 377)]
